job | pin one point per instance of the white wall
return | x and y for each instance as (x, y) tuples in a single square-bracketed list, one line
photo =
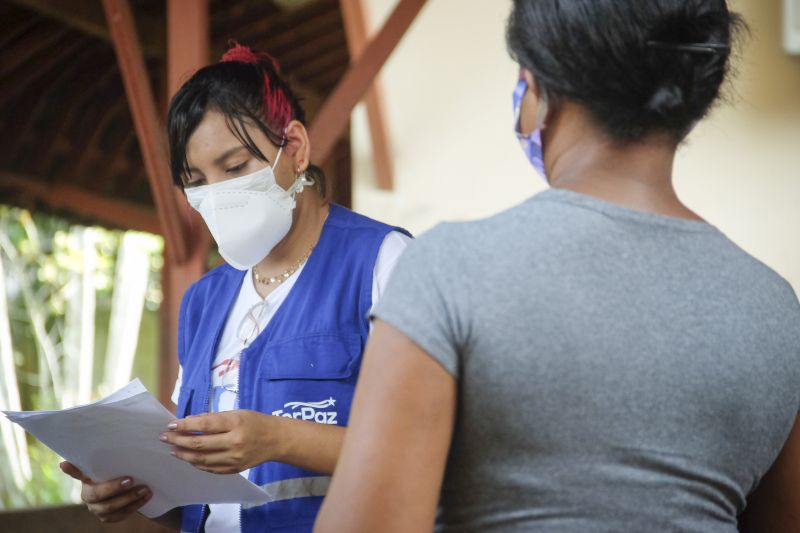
[(741, 168), (448, 96)]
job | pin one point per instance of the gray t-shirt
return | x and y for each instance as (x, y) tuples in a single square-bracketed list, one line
[(618, 371)]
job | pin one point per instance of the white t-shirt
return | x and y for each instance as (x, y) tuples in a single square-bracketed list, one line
[(248, 317)]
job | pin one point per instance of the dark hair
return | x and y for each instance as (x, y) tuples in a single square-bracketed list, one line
[(247, 88), (616, 58)]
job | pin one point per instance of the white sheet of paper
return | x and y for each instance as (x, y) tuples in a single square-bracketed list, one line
[(118, 436)]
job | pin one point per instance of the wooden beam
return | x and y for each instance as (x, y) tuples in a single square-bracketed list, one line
[(24, 51), (86, 143), (120, 164), (267, 25), (152, 140), (187, 40), (43, 66), (59, 123), (328, 78), (230, 19), (335, 114), (308, 50), (33, 102), (354, 16), (84, 16), (187, 51), (15, 25), (324, 59), (104, 209), (282, 35)]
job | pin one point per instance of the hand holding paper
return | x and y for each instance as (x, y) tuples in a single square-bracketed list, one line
[(226, 442), (110, 501), (118, 436)]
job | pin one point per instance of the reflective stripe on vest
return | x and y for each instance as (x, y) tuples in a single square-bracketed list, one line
[(300, 487)]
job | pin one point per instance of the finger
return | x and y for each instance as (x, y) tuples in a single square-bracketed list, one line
[(194, 442), (100, 492), (118, 503), (128, 510), (205, 423), (216, 462), (220, 469), (73, 471)]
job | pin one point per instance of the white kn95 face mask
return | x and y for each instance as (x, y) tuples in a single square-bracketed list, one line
[(249, 215)]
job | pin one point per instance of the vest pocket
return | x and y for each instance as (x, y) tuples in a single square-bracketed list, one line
[(323, 356), (310, 378)]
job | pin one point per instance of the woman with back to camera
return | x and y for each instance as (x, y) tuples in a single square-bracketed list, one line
[(598, 358), (269, 344)]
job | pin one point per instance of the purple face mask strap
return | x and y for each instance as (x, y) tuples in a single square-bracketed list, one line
[(531, 143)]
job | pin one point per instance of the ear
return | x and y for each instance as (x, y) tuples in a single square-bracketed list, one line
[(530, 103), (298, 147), (532, 85)]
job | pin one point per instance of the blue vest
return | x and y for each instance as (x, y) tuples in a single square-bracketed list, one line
[(303, 365)]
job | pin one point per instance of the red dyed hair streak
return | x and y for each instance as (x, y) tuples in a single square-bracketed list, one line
[(277, 108)]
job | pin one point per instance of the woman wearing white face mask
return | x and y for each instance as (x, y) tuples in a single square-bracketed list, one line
[(270, 344)]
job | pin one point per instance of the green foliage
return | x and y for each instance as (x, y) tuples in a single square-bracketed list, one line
[(48, 485), (42, 258)]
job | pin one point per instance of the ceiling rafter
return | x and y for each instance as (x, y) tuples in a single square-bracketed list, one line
[(15, 26), (86, 145), (83, 15), (328, 77), (41, 67), (121, 164), (281, 37), (74, 101), (28, 46), (55, 137), (22, 117), (85, 135), (334, 116), (228, 19), (298, 55), (255, 27), (321, 61), (112, 211)]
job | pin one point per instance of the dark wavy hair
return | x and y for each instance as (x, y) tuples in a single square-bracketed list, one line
[(622, 59), (247, 88)]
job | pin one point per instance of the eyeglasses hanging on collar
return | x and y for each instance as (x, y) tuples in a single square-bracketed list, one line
[(248, 330)]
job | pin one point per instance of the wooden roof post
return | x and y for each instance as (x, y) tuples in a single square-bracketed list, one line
[(187, 40), (355, 25), (332, 119), (185, 239), (149, 129), (187, 51)]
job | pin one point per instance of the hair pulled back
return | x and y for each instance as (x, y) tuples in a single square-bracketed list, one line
[(247, 88), (623, 60)]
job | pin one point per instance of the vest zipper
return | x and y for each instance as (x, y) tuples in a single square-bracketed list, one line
[(202, 517), (238, 405), (208, 408)]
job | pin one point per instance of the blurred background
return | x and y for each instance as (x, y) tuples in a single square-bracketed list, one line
[(449, 84), (96, 247)]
